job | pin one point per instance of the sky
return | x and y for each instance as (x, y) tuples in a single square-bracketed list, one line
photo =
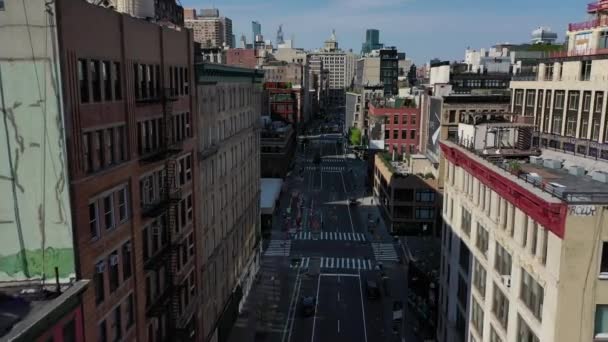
[(423, 29)]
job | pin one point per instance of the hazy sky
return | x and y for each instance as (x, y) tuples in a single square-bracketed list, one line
[(424, 29)]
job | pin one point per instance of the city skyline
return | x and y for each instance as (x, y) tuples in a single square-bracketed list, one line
[(481, 25)]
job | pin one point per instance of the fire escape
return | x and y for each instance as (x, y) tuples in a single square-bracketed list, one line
[(167, 302)]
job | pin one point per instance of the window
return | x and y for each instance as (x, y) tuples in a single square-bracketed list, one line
[(130, 311), (519, 97), (530, 98), (452, 116), (94, 220), (404, 119), (425, 196), (83, 80), (107, 81), (559, 100), (532, 294), (100, 268), (461, 293), (463, 258), (396, 134), (599, 100), (404, 134), (482, 239), (466, 222), (126, 261), (479, 277), (477, 317), (69, 331), (601, 321), (549, 72), (413, 119), (396, 119), (96, 80), (108, 207), (585, 70), (500, 307), (189, 208), (586, 101), (524, 333), (502, 261), (494, 335), (117, 80), (604, 261), (191, 244), (573, 100), (117, 324), (113, 261), (413, 134), (103, 334), (534, 241), (1, 5), (122, 205), (424, 213)]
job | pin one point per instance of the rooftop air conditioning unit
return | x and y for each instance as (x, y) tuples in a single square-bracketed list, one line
[(536, 160), (552, 164), (534, 178), (600, 176), (577, 170)]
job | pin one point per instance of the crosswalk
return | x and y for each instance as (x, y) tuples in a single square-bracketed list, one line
[(334, 236), (326, 168), (278, 248), (332, 160), (336, 263), (384, 252)]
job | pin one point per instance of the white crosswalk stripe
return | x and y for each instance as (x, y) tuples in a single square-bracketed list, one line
[(384, 252), (325, 168), (334, 236), (278, 248), (336, 263)]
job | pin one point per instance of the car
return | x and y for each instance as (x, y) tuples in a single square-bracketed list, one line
[(372, 290), (397, 310), (308, 305)]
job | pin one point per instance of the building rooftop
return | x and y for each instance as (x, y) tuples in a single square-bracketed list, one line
[(394, 103), (572, 185), (25, 305)]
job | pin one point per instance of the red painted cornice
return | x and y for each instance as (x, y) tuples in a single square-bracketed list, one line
[(552, 216)]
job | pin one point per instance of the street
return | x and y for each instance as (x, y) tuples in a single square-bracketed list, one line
[(324, 247)]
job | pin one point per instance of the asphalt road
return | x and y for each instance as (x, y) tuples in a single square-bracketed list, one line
[(330, 256)]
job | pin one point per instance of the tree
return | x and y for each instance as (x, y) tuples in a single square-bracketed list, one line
[(355, 136)]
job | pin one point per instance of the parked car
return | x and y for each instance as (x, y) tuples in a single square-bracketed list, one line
[(308, 305), (372, 290)]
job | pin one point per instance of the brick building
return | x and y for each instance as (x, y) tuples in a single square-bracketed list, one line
[(245, 58), (400, 123), (229, 153), (129, 130)]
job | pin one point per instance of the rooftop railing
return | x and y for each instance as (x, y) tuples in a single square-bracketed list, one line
[(597, 6), (577, 53), (587, 25)]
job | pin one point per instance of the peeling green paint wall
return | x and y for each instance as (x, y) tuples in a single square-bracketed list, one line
[(35, 219)]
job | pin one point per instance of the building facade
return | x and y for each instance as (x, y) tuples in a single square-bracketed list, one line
[(210, 29), (524, 245), (229, 160), (160, 11), (129, 107), (567, 99), (244, 58), (400, 123), (389, 71), (277, 148), (410, 204), (372, 41)]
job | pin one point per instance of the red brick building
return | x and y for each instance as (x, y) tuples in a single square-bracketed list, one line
[(246, 58), (129, 103), (401, 125)]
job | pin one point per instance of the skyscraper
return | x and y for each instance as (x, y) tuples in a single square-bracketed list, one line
[(280, 39), (210, 29), (256, 29), (372, 41)]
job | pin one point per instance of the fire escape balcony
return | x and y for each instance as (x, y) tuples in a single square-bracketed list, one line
[(160, 304), (162, 153), (156, 208)]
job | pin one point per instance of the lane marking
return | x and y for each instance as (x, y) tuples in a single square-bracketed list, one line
[(314, 322), (352, 228), (362, 305), (338, 326), (290, 310)]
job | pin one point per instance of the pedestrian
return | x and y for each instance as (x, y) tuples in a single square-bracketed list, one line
[(372, 200)]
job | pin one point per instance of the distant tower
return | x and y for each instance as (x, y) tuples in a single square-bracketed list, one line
[(243, 42), (280, 39), (256, 29)]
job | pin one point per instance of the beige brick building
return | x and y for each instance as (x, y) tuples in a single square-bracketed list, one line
[(525, 242), (209, 28), (229, 159)]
